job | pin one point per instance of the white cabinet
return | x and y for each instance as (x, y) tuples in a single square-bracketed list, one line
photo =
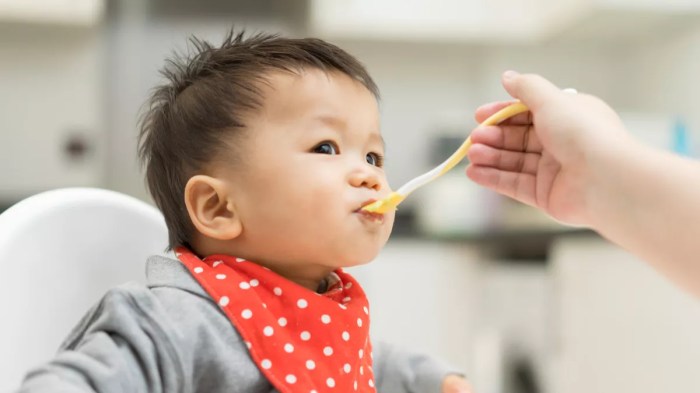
[(63, 12), (50, 108), (474, 20), (620, 326), (447, 300), (423, 297), (498, 21)]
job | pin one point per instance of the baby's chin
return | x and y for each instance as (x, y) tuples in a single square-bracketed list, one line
[(359, 258)]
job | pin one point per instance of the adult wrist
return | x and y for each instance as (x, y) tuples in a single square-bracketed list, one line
[(611, 168)]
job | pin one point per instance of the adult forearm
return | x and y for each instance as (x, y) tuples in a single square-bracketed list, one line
[(648, 202)]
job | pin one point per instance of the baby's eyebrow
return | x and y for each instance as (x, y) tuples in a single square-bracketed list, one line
[(375, 136), (334, 122), (340, 124)]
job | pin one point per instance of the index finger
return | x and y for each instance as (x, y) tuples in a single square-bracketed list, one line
[(483, 112)]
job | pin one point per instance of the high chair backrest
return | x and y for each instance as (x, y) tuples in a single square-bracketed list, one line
[(60, 251)]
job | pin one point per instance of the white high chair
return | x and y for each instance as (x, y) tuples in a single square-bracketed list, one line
[(60, 251)]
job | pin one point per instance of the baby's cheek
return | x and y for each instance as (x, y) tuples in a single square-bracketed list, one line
[(389, 218)]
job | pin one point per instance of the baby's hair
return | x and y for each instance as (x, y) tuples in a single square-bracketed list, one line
[(193, 118)]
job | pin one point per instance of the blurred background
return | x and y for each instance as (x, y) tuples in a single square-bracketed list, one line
[(517, 301)]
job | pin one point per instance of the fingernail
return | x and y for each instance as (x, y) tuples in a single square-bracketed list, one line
[(510, 74)]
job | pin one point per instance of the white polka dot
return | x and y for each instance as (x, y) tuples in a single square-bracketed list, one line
[(282, 321), (198, 269), (361, 353), (217, 263), (266, 364), (346, 336), (313, 391), (277, 291), (328, 351), (325, 318), (359, 322), (265, 305), (254, 282), (342, 306), (362, 370), (289, 348), (347, 368), (223, 302), (178, 254), (330, 382), (354, 385), (246, 314), (346, 299), (302, 303), (310, 364), (268, 331), (291, 379), (305, 336), (248, 344), (244, 285), (348, 285), (371, 383), (366, 310), (220, 276), (240, 259)]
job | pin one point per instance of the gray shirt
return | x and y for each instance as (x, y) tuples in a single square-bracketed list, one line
[(170, 336)]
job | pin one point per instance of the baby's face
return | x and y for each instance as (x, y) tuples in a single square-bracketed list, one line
[(312, 160)]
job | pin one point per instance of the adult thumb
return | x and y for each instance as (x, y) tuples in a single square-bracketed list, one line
[(533, 90)]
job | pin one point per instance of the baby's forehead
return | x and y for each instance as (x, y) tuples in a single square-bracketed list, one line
[(318, 95), (272, 81)]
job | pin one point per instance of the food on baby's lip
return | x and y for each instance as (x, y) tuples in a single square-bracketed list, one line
[(372, 215), (385, 204)]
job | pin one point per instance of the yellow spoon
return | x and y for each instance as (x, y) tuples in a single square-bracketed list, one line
[(392, 200)]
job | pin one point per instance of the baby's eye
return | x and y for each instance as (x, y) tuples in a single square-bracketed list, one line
[(375, 159), (326, 148)]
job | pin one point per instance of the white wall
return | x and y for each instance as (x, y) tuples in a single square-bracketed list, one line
[(662, 76)]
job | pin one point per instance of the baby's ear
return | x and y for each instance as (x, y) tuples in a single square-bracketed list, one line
[(211, 208)]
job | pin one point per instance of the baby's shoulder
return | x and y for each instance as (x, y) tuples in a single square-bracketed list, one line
[(196, 318), (205, 336)]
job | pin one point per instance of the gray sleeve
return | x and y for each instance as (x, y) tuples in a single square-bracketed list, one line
[(119, 346), (399, 371)]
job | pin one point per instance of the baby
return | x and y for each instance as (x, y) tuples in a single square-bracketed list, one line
[(260, 153)]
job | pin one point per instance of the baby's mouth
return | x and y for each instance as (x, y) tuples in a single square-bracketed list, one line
[(372, 216)]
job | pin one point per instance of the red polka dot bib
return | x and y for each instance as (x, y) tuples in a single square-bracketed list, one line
[(300, 340)]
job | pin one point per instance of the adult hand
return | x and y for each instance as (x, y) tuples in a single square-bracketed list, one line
[(548, 157)]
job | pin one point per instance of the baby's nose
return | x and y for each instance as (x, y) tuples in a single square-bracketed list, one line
[(366, 178)]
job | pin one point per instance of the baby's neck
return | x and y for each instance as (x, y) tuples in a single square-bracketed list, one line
[(325, 284), (313, 277), (318, 280)]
